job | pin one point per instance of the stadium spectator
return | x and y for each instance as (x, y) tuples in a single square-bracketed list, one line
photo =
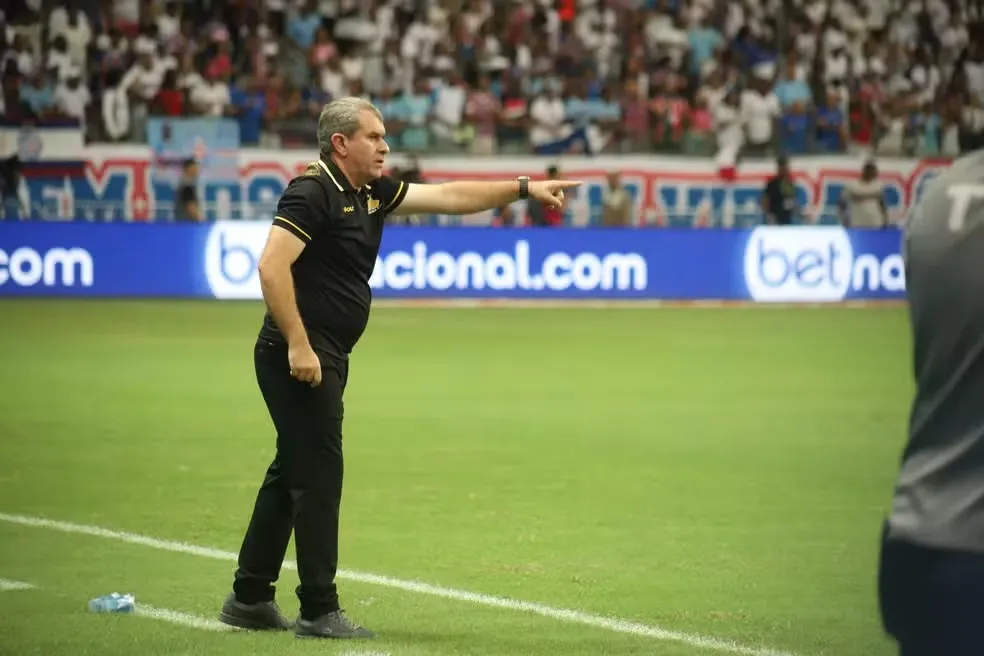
[(617, 203), (779, 196), (670, 111), (540, 216), (759, 111), (70, 22), (513, 122), (415, 111), (729, 129), (212, 97), (10, 204), (479, 76), (482, 110), (795, 129), (38, 93), (188, 207), (170, 100), (830, 134), (20, 54), (115, 109), (635, 115), (792, 87), (863, 202), (548, 117), (249, 106), (72, 98)]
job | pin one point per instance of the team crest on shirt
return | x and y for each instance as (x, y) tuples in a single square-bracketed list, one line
[(372, 205)]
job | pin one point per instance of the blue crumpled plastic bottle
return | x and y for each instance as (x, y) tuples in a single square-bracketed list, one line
[(113, 603)]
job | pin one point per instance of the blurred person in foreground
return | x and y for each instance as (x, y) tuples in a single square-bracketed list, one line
[(931, 573), (314, 274)]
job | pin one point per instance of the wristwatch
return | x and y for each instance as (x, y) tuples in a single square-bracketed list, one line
[(524, 187)]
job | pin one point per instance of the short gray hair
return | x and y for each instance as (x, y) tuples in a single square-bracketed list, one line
[(343, 116)]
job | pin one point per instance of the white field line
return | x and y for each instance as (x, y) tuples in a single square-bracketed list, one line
[(6, 585), (183, 619), (564, 615)]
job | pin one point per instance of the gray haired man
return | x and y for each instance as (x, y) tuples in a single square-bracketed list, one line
[(314, 272)]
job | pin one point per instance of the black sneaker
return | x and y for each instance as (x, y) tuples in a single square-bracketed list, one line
[(331, 625), (262, 616)]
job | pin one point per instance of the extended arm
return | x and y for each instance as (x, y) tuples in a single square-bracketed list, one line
[(469, 196)]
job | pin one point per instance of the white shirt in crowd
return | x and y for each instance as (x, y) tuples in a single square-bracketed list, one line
[(211, 98), (893, 137), (168, 26), (62, 63), (418, 43), (548, 120), (146, 82), (116, 113), (836, 67), (127, 11), (728, 126), (73, 102), (972, 119), (758, 113), (863, 201), (190, 81), (352, 67), (926, 79), (78, 37), (449, 108), (806, 45), (712, 96), (975, 79), (25, 61), (877, 14), (333, 82), (863, 65)]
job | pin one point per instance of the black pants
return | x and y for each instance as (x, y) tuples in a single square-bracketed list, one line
[(303, 485), (932, 601)]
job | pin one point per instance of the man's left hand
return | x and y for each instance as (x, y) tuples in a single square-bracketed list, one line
[(551, 192)]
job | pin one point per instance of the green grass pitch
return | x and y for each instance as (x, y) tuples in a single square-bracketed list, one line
[(719, 473)]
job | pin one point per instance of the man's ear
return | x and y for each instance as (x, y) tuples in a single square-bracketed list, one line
[(339, 142)]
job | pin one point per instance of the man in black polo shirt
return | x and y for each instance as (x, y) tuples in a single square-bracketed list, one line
[(314, 273), (779, 196)]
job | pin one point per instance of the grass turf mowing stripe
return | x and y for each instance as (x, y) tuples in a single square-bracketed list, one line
[(561, 614)]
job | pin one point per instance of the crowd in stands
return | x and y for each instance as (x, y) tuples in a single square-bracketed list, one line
[(894, 77)]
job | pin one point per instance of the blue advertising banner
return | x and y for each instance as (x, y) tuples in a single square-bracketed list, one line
[(219, 260), (101, 260)]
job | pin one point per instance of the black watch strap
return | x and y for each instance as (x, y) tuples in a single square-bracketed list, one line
[(524, 187)]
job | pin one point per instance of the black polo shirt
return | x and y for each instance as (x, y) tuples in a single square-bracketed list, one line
[(342, 228)]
